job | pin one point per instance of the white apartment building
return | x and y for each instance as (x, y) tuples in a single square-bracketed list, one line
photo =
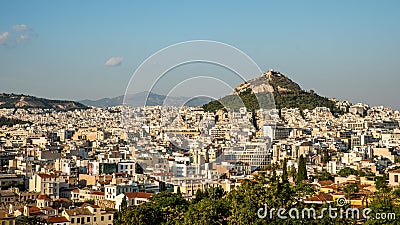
[(127, 167), (47, 184), (113, 190), (391, 139), (132, 198)]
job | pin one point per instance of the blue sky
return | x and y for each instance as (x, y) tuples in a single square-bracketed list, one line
[(344, 49)]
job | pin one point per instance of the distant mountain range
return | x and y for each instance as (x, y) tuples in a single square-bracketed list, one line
[(146, 98), (104, 102), (273, 88), (27, 102)]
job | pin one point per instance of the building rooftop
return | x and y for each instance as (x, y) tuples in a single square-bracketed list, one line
[(58, 219), (78, 211), (5, 216), (138, 195)]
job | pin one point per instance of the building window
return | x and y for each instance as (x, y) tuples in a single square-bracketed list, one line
[(102, 218), (78, 220), (94, 219), (396, 178), (88, 219), (73, 220), (109, 217)]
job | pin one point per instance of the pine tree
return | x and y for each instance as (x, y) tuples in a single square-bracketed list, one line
[(178, 191), (285, 172), (302, 170), (199, 196), (325, 156), (124, 204)]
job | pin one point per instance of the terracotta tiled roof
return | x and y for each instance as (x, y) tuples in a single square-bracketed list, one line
[(320, 198), (104, 182), (44, 175), (85, 204), (89, 205), (307, 143), (58, 219), (78, 211), (47, 208), (395, 171), (325, 182), (43, 197), (119, 173), (34, 209), (138, 195), (366, 160)]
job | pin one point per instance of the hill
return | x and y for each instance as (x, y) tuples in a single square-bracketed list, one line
[(104, 102), (286, 94), (137, 100), (30, 102)]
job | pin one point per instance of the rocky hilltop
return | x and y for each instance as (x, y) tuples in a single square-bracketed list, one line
[(286, 94)]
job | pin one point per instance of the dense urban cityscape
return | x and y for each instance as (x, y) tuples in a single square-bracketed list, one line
[(84, 166), (199, 112)]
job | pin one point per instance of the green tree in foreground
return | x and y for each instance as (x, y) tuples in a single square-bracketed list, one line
[(381, 182), (302, 170), (208, 211), (384, 202), (351, 189), (325, 175), (245, 203)]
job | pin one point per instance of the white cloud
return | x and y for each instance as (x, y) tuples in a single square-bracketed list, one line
[(19, 34), (20, 27), (22, 38), (114, 61), (3, 37)]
